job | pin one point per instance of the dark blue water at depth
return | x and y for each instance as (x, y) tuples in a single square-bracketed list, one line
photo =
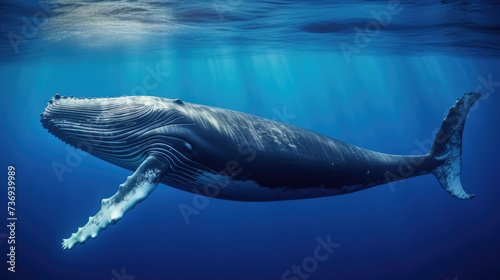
[(377, 74)]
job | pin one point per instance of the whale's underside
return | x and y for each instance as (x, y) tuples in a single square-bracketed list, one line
[(232, 155)]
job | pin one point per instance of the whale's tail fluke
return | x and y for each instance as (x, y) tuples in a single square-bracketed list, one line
[(447, 147)]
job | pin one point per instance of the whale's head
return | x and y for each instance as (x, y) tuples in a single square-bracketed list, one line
[(120, 130)]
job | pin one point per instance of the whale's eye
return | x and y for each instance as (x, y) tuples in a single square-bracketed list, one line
[(406, 168), (189, 148)]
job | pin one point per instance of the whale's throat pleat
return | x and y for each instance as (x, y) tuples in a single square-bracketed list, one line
[(114, 129)]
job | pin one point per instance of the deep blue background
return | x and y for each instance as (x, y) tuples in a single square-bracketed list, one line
[(384, 102)]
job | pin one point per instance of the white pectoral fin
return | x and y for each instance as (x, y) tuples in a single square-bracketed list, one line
[(132, 192)]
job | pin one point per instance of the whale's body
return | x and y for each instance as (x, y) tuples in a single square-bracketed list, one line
[(232, 155)]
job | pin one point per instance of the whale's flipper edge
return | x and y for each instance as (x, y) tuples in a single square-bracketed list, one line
[(132, 192), (447, 147)]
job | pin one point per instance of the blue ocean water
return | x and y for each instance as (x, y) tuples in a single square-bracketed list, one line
[(377, 74)]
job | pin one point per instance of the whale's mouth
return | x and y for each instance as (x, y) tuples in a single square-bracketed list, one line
[(76, 119), (100, 126), (120, 130)]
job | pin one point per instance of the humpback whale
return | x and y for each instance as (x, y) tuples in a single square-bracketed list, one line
[(194, 148)]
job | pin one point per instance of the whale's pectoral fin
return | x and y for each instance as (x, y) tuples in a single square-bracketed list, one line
[(447, 148), (132, 192)]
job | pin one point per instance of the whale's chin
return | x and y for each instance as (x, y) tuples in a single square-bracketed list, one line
[(99, 126), (119, 130)]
